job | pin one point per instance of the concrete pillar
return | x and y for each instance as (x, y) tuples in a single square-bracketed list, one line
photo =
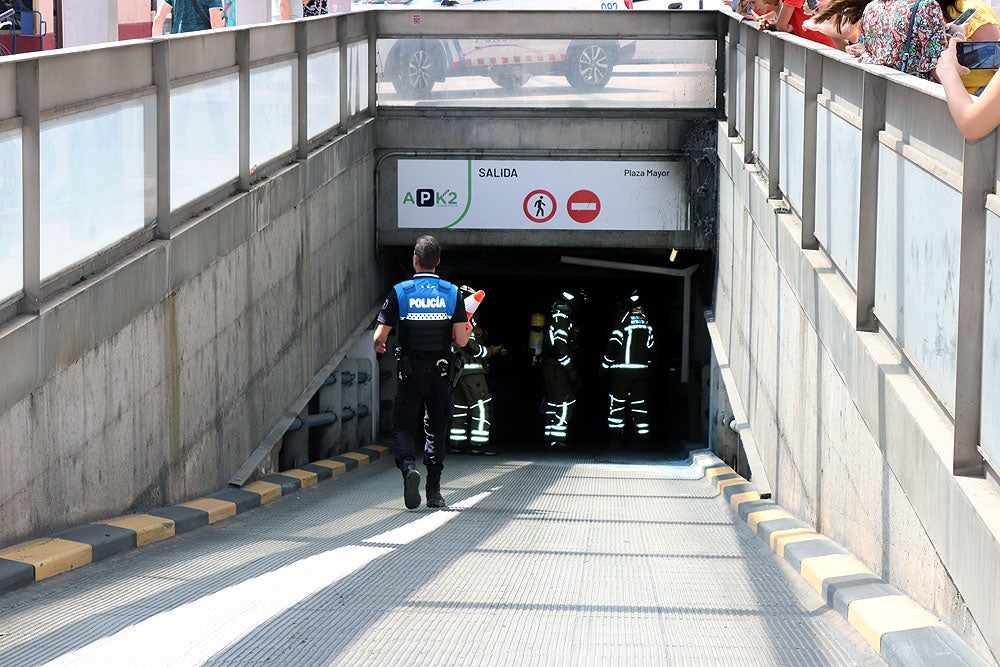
[(253, 11), (89, 22), (349, 404), (295, 446), (330, 400), (386, 393), (366, 402)]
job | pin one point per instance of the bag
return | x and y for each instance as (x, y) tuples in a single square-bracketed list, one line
[(200, 11), (909, 36)]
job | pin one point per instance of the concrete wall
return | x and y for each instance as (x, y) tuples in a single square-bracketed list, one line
[(153, 381), (850, 438)]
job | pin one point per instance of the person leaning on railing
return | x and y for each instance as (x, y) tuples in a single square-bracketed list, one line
[(984, 26), (189, 15), (790, 18), (903, 35), (841, 21), (975, 116)]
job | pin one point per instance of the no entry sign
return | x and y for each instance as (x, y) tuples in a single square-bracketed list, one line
[(583, 206)]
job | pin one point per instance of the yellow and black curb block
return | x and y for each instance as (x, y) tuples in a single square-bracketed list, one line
[(38, 559), (900, 630)]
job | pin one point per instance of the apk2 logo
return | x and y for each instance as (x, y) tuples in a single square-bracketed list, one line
[(426, 197)]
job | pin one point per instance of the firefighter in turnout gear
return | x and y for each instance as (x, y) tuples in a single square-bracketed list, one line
[(470, 417), (428, 314), (628, 357), (558, 373)]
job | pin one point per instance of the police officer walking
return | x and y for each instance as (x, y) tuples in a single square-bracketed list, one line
[(558, 373), (628, 357), (428, 313)]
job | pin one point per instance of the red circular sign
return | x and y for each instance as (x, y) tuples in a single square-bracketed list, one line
[(583, 206), (539, 206)]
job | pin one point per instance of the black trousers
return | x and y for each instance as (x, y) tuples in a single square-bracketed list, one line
[(423, 402)]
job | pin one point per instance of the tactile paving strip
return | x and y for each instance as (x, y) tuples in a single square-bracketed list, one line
[(571, 560)]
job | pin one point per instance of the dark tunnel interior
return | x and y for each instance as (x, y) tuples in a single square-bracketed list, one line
[(521, 281)]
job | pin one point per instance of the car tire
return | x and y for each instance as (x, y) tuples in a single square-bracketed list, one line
[(509, 77), (590, 65), (418, 66)]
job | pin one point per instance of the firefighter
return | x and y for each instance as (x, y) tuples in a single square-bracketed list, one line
[(470, 417), (558, 373), (627, 358)]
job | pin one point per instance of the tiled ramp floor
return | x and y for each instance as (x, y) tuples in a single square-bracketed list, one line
[(542, 560)]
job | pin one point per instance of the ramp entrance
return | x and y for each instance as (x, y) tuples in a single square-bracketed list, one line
[(522, 281)]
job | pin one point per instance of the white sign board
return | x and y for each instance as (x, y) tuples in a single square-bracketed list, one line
[(542, 194)]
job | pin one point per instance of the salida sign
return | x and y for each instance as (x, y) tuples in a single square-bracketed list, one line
[(537, 194)]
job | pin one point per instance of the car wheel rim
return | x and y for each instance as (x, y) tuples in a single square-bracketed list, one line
[(419, 70), (594, 64)]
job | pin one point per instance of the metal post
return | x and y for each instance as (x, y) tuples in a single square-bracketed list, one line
[(777, 65), (243, 62), (342, 50), (872, 122), (161, 79), (372, 25), (978, 181), (302, 92), (813, 88), (749, 101), (31, 182), (731, 83), (721, 54)]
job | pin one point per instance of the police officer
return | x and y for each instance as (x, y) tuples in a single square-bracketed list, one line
[(558, 374), (428, 313), (628, 357), (470, 418)]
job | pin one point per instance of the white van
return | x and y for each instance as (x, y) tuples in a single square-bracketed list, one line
[(415, 65)]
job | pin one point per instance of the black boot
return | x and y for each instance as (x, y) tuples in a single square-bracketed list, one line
[(411, 486), (434, 497)]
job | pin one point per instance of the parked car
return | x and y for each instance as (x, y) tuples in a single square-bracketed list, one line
[(415, 65)]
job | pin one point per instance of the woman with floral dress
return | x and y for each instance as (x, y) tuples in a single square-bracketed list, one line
[(884, 28), (313, 7)]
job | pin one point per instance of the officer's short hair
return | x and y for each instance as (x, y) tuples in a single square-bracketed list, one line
[(428, 252)]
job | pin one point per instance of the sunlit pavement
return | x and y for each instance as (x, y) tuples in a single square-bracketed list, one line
[(541, 559)]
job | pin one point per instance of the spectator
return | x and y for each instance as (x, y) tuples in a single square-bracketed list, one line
[(315, 7), (790, 18), (285, 10), (975, 116), (840, 20), (889, 39), (984, 26), (189, 15)]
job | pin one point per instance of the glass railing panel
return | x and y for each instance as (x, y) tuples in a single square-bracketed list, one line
[(838, 188), (11, 242), (917, 267), (792, 137), (547, 73), (324, 91), (204, 138), (991, 343), (357, 78), (98, 177), (272, 111)]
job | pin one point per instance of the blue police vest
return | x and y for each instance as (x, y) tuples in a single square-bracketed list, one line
[(426, 305)]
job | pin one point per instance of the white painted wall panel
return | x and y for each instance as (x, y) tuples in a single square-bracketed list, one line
[(917, 267), (991, 342), (838, 189), (790, 179)]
